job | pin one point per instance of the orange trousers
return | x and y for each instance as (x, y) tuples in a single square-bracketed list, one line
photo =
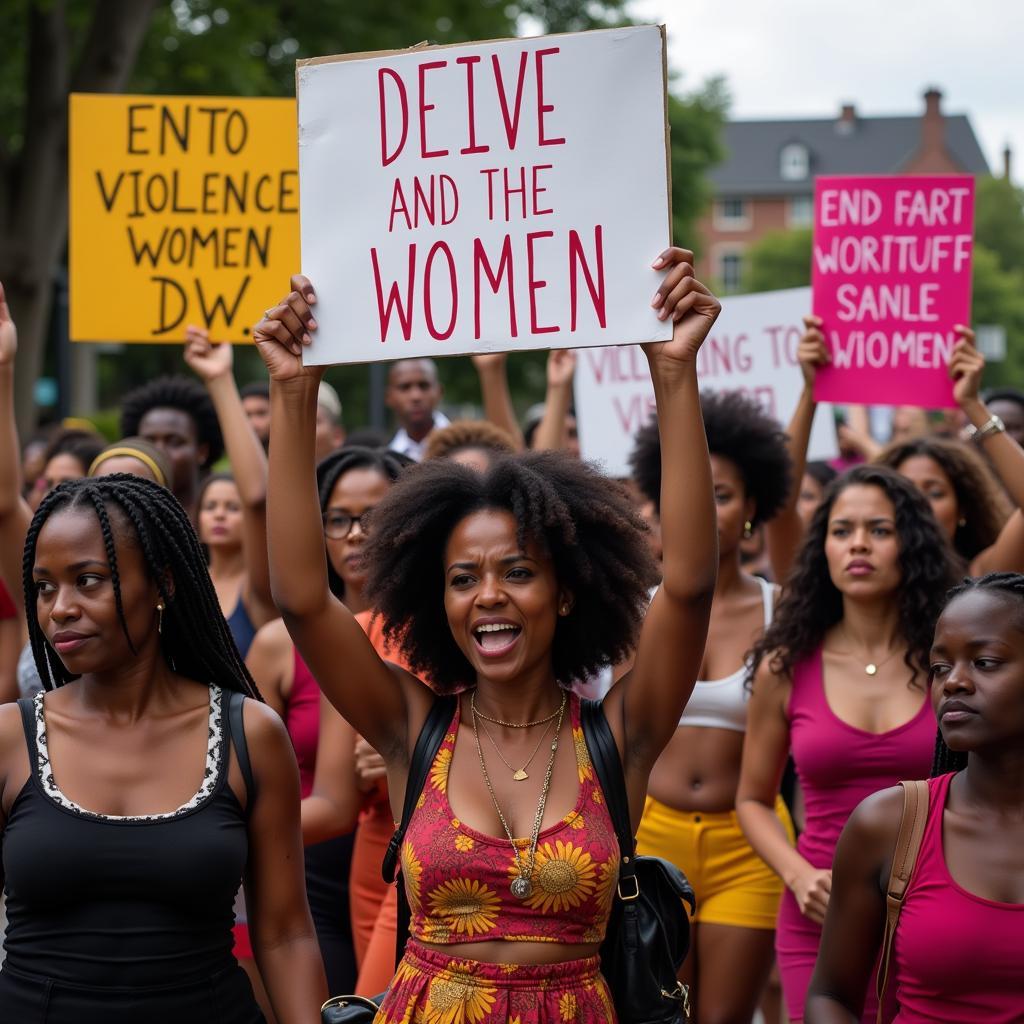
[(374, 903)]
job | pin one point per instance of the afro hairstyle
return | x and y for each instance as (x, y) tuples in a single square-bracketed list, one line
[(584, 522), (738, 429)]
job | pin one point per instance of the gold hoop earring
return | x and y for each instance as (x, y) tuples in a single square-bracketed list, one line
[(160, 617), (748, 530), (564, 608)]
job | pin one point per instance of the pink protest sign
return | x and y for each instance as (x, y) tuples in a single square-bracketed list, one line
[(891, 277)]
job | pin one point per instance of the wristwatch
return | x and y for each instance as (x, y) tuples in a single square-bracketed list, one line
[(993, 425)]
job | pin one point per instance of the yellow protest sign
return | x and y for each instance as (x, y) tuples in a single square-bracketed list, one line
[(183, 210)]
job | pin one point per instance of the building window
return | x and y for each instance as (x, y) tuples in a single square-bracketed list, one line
[(800, 211), (732, 214), (794, 162), (730, 270)]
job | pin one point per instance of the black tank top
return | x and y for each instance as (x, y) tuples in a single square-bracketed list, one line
[(125, 901)]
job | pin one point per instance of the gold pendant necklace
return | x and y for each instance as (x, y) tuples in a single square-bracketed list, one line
[(522, 886), (872, 667), (518, 774), (517, 725)]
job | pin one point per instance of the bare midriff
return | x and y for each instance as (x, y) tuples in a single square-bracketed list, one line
[(503, 951), (699, 770)]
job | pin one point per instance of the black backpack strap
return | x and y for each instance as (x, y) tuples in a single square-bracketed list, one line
[(27, 706), (236, 727), (427, 745), (604, 755)]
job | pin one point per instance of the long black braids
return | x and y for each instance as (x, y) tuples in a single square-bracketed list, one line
[(195, 639), (1011, 584)]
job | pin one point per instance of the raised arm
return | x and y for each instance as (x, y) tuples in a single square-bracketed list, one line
[(14, 512), (765, 749), (646, 704), (382, 703), (561, 369), (966, 366), (856, 911), (332, 809), (492, 368), (213, 363), (785, 530)]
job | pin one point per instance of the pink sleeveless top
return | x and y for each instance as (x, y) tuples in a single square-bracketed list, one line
[(302, 720), (839, 765), (457, 879), (958, 958)]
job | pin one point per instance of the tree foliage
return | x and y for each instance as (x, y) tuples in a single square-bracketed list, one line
[(249, 48)]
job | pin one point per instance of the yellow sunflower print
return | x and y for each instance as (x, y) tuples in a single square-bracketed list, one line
[(607, 879), (439, 769), (412, 872), (563, 877), (464, 843), (567, 1006), (583, 767), (467, 906), (456, 997)]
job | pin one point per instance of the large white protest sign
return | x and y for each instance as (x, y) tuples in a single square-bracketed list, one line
[(751, 348), (485, 197)]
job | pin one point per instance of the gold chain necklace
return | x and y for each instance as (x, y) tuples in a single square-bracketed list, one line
[(518, 774), (518, 725), (522, 886)]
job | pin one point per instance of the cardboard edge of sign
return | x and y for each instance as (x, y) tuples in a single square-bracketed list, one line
[(424, 46)]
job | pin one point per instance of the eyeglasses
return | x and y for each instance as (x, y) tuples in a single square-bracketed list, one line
[(338, 525)]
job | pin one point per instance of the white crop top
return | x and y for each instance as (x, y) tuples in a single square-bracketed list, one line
[(722, 703)]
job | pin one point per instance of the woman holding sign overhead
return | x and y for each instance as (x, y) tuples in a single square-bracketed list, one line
[(503, 588), (968, 503)]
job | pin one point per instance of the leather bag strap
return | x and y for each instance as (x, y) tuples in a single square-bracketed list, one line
[(427, 745), (908, 846), (604, 756), (236, 701)]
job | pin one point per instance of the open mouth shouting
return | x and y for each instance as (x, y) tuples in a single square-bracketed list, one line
[(494, 638)]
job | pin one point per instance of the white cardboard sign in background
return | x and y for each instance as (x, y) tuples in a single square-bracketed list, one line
[(751, 348), (485, 197)]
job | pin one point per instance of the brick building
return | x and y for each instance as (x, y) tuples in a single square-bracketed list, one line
[(766, 182)]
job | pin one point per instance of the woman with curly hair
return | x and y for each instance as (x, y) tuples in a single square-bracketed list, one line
[(839, 683), (967, 500), (505, 587), (690, 817)]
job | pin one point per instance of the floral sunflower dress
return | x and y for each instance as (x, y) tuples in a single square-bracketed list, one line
[(457, 881)]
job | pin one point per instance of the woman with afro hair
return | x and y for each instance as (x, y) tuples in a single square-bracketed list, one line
[(504, 588), (690, 817), (840, 684)]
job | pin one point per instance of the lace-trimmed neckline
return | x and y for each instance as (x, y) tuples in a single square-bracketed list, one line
[(211, 773)]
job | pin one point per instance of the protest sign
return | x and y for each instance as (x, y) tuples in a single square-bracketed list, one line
[(485, 197), (751, 348), (891, 278), (183, 210)]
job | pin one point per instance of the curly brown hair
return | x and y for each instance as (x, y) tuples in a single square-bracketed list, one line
[(584, 522), (469, 434), (811, 603), (984, 507)]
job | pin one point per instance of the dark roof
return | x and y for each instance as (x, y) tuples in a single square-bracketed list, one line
[(877, 145)]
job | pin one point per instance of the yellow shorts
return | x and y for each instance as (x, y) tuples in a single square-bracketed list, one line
[(733, 885)]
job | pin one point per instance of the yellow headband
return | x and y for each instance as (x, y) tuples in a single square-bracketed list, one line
[(134, 453)]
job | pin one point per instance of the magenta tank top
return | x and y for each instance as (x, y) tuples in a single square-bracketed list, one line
[(839, 765), (302, 720), (958, 958)]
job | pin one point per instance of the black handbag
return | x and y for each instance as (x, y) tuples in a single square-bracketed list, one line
[(648, 934), (353, 1009)]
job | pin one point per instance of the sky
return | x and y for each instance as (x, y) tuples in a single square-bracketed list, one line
[(785, 58)]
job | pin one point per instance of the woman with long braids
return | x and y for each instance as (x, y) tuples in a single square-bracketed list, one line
[(839, 683), (690, 816), (336, 784), (956, 955), (140, 786), (505, 587)]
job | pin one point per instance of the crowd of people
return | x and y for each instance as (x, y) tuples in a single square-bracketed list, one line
[(222, 635)]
